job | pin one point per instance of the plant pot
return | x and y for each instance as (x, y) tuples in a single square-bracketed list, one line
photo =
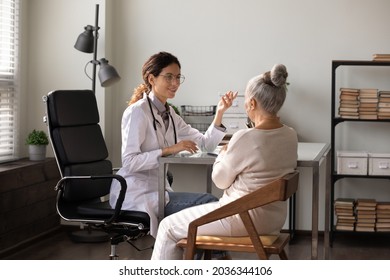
[(37, 152)]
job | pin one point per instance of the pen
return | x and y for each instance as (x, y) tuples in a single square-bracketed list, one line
[(212, 154)]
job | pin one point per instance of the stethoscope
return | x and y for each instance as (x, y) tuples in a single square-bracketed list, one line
[(156, 121)]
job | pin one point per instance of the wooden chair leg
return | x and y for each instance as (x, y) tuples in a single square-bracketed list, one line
[(283, 255)]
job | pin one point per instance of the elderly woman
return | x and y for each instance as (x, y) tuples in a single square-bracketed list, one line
[(253, 158)]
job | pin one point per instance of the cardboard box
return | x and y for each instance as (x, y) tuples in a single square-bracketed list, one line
[(379, 164), (352, 163)]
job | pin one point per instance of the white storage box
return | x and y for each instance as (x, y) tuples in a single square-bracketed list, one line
[(352, 163), (379, 164), (234, 122)]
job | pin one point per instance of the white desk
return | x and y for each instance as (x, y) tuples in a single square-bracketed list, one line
[(309, 155)]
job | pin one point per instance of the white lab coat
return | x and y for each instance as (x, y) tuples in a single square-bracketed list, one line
[(142, 146)]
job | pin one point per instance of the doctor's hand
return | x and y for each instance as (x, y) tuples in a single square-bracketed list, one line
[(226, 101), (185, 145)]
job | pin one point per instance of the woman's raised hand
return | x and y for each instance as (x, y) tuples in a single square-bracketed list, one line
[(226, 101)]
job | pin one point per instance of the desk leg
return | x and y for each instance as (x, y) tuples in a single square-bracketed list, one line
[(314, 219), (162, 171), (327, 207), (209, 181)]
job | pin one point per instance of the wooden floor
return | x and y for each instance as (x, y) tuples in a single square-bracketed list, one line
[(58, 246)]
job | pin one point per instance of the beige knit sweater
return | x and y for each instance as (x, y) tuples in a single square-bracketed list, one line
[(255, 157)]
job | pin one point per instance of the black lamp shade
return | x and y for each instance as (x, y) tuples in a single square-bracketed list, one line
[(107, 73), (85, 41)]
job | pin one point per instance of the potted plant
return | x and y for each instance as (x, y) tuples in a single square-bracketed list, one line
[(174, 108), (37, 141)]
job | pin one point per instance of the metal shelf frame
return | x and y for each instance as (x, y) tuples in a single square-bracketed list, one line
[(334, 122)]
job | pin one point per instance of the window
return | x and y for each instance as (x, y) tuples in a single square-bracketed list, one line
[(9, 33)]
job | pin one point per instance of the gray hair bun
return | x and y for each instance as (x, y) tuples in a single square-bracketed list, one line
[(279, 75)]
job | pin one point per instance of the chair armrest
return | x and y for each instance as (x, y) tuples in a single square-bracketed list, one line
[(122, 193)]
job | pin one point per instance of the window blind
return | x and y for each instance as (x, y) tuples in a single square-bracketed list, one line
[(9, 34)]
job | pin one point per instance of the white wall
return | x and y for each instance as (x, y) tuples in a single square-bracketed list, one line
[(221, 45), (49, 60)]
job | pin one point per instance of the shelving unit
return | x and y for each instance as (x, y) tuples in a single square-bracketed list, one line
[(335, 120)]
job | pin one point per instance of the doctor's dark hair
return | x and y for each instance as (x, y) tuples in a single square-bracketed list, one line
[(154, 65), (269, 89)]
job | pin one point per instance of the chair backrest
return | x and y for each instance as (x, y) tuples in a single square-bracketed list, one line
[(78, 143)]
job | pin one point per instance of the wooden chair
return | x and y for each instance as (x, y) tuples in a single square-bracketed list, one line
[(278, 190)]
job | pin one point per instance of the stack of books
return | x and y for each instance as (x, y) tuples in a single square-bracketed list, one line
[(368, 103), (381, 57), (383, 216), (366, 214), (384, 104), (344, 210), (349, 103)]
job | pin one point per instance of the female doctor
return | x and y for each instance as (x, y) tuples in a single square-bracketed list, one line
[(151, 129)]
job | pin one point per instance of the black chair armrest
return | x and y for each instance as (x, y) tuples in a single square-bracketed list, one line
[(122, 193)]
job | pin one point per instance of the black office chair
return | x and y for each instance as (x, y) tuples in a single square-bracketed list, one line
[(72, 118)]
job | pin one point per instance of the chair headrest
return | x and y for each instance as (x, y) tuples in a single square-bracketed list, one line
[(72, 108)]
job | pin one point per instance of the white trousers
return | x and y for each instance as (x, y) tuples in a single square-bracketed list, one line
[(175, 227)]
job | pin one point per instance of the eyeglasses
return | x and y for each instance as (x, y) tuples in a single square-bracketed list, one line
[(170, 78)]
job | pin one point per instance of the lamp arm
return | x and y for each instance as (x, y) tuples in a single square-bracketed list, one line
[(94, 63), (85, 70)]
